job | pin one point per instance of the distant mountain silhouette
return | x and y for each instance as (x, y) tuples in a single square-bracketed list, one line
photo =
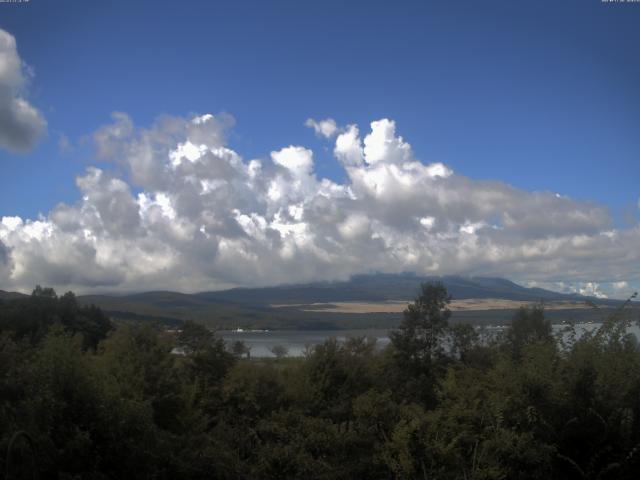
[(385, 287), (255, 306), (10, 295), (287, 306)]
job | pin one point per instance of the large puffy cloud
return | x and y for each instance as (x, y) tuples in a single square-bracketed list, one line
[(206, 218), (21, 124)]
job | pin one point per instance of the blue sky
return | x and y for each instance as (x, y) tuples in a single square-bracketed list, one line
[(542, 95), (539, 95)]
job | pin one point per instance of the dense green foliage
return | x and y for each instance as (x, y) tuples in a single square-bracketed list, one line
[(440, 402)]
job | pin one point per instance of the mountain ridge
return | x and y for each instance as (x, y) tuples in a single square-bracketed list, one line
[(387, 287), (4, 295), (287, 306), (256, 306)]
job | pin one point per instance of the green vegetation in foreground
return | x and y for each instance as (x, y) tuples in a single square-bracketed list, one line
[(97, 400)]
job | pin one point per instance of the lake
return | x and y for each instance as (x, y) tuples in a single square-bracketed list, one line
[(297, 341)]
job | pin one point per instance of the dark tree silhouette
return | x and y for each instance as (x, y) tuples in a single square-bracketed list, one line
[(418, 342)]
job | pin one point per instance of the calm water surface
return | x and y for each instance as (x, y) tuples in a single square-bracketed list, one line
[(297, 341)]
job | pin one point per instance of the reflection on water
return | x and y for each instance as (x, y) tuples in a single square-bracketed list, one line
[(297, 341)]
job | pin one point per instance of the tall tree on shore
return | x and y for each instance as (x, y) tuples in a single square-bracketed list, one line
[(417, 343)]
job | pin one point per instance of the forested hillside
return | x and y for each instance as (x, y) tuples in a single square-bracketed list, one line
[(81, 397), (301, 306)]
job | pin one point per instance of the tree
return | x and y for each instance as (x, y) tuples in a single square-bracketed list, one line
[(44, 292), (32, 317), (240, 349), (464, 339), (280, 351), (425, 321), (195, 337), (528, 326), (418, 343)]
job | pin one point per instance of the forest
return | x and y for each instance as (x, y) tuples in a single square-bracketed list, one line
[(83, 397)]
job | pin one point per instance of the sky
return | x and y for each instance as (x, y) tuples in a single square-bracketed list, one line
[(200, 145)]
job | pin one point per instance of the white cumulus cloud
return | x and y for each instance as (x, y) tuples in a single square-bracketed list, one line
[(190, 213), (21, 124)]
